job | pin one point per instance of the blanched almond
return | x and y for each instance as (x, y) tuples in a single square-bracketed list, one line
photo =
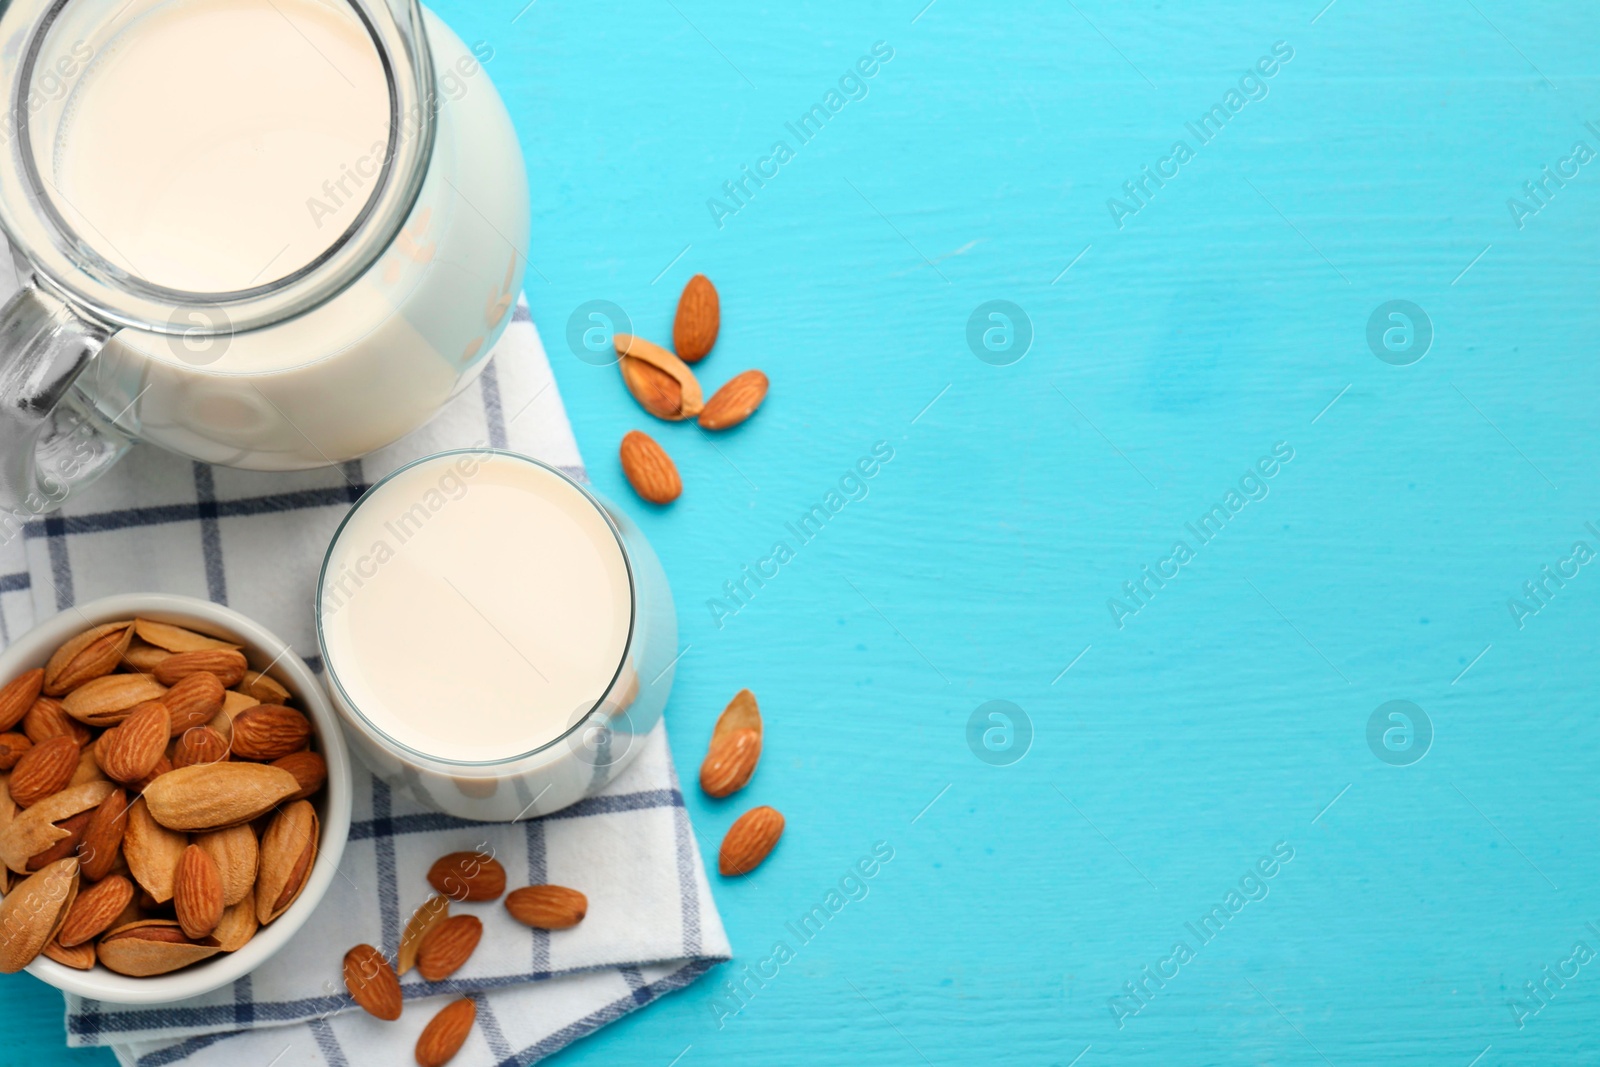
[(288, 851), (89, 655), (217, 795), (152, 851), (108, 700), (175, 638), (32, 912)]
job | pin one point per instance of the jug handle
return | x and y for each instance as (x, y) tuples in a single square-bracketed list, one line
[(51, 441)]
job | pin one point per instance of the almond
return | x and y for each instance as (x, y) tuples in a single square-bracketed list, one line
[(445, 1033), (448, 946), (87, 656), (372, 982), (31, 832), (649, 469), (12, 746), (736, 401), (48, 718), (153, 946), (152, 851), (163, 765), (217, 795), (130, 751), (288, 850), (308, 768), (547, 907), (433, 911), (239, 924), (263, 688), (143, 656), (107, 701), (79, 957), (101, 845), (684, 402), (18, 696), (197, 893), (199, 745), (228, 665), (32, 912), (88, 769), (269, 732), (175, 638), (74, 826), (465, 876), (742, 713), (694, 330), (237, 857), (96, 908), (194, 701), (730, 762), (43, 770), (749, 840)]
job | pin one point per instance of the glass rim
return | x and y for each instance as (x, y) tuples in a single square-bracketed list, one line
[(71, 265), (400, 747)]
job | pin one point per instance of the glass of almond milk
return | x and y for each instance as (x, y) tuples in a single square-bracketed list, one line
[(497, 639), (272, 234)]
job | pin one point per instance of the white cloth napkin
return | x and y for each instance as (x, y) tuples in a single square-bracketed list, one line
[(255, 542)]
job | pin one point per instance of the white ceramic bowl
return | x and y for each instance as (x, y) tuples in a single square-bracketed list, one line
[(261, 647)]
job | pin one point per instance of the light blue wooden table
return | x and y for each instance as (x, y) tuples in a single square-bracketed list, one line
[(1233, 712)]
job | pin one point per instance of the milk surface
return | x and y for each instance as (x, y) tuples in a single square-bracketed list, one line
[(475, 606), (196, 138)]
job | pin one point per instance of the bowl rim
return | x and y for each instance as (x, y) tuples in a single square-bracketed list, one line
[(34, 647)]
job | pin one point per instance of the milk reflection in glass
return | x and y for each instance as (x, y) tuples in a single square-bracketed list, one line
[(217, 145)]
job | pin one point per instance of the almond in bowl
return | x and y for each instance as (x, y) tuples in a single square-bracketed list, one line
[(180, 804)]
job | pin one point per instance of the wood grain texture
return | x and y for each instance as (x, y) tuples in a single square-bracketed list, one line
[(1222, 318)]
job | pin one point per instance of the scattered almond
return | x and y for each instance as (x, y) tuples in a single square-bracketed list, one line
[(468, 876), (681, 400), (89, 655), (197, 893), (43, 770), (372, 982), (649, 469), (433, 911), (445, 1033), (547, 907), (269, 732), (448, 946), (729, 762), (736, 401), (749, 840), (95, 909), (18, 696), (699, 317), (742, 713), (131, 750), (226, 664)]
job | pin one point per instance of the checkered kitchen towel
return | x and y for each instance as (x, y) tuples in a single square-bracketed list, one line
[(255, 542)]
